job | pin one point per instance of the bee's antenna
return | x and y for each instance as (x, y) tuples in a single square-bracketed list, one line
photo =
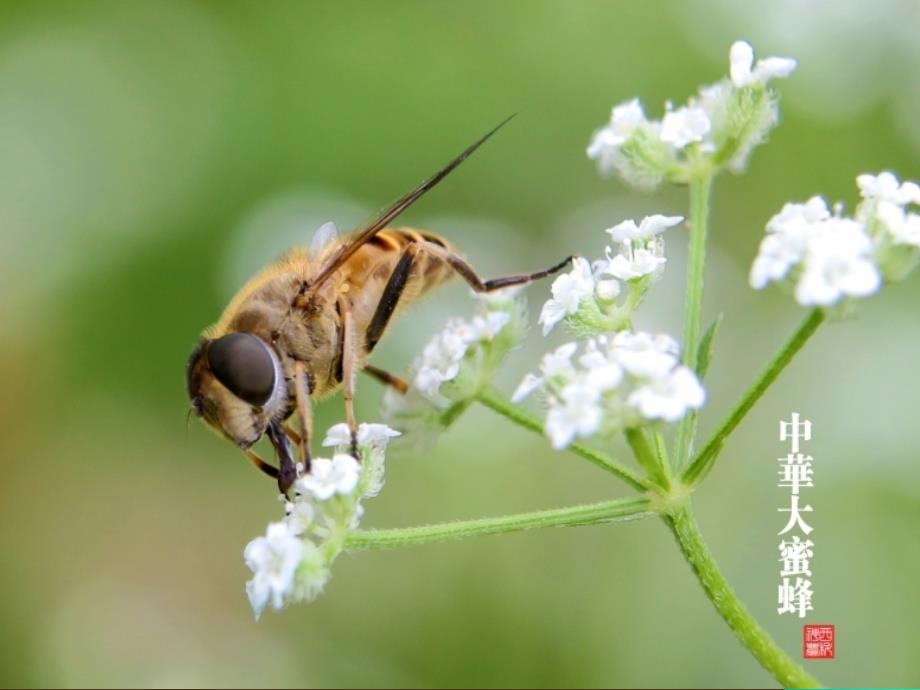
[(399, 206)]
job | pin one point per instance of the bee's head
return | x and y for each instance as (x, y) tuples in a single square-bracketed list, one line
[(236, 385)]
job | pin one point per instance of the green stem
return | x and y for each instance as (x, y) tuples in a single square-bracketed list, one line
[(754, 638), (619, 510), (497, 403), (700, 188), (704, 459)]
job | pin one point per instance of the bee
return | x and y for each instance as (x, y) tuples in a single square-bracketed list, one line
[(303, 327)]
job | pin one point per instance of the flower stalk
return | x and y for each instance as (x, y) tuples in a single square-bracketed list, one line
[(700, 188), (707, 456), (618, 510), (745, 627)]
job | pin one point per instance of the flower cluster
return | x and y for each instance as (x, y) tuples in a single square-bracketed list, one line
[(291, 562), (456, 363), (717, 127), (828, 257), (617, 382), (586, 298)]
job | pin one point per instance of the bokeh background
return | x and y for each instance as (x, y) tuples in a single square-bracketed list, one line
[(153, 155)]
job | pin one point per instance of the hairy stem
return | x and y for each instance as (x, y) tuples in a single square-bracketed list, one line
[(498, 403), (707, 456), (754, 638), (618, 510), (700, 188)]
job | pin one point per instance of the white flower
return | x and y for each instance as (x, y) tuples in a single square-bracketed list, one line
[(601, 372), (670, 396), (886, 187), (299, 515), (788, 235), (742, 62), (644, 355), (440, 360), (578, 415), (528, 385), (634, 264), (568, 290), (903, 227), (812, 211), (619, 383), (273, 560), (623, 121), (330, 477), (607, 290), (377, 435), (554, 364), (559, 361), (839, 263), (368, 434), (488, 326), (650, 225), (685, 126)]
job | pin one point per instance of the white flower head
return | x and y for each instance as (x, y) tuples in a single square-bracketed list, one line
[(607, 289), (578, 415), (328, 478), (618, 383), (634, 263), (745, 73), (839, 263), (379, 435), (623, 121), (685, 126), (273, 560), (885, 187), (648, 227), (902, 227), (556, 364), (568, 291), (300, 515), (788, 235), (829, 258), (601, 372), (670, 396), (488, 326), (645, 355), (440, 359)]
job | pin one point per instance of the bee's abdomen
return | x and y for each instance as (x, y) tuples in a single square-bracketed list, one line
[(396, 239), (429, 268)]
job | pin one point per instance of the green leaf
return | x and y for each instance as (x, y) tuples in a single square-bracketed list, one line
[(704, 352)]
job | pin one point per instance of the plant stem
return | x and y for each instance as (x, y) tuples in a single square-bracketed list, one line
[(619, 510), (703, 461), (754, 638), (700, 187), (497, 403)]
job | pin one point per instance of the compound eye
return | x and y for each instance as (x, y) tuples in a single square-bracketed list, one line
[(244, 364)]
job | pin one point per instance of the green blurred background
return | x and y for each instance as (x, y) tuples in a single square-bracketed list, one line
[(153, 155)]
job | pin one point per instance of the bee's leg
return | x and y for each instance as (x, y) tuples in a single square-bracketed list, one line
[(254, 458), (398, 384), (349, 358), (304, 412), (389, 298), (292, 433), (287, 471), (469, 274)]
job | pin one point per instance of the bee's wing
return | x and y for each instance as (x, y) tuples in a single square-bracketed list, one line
[(368, 231), (325, 235)]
